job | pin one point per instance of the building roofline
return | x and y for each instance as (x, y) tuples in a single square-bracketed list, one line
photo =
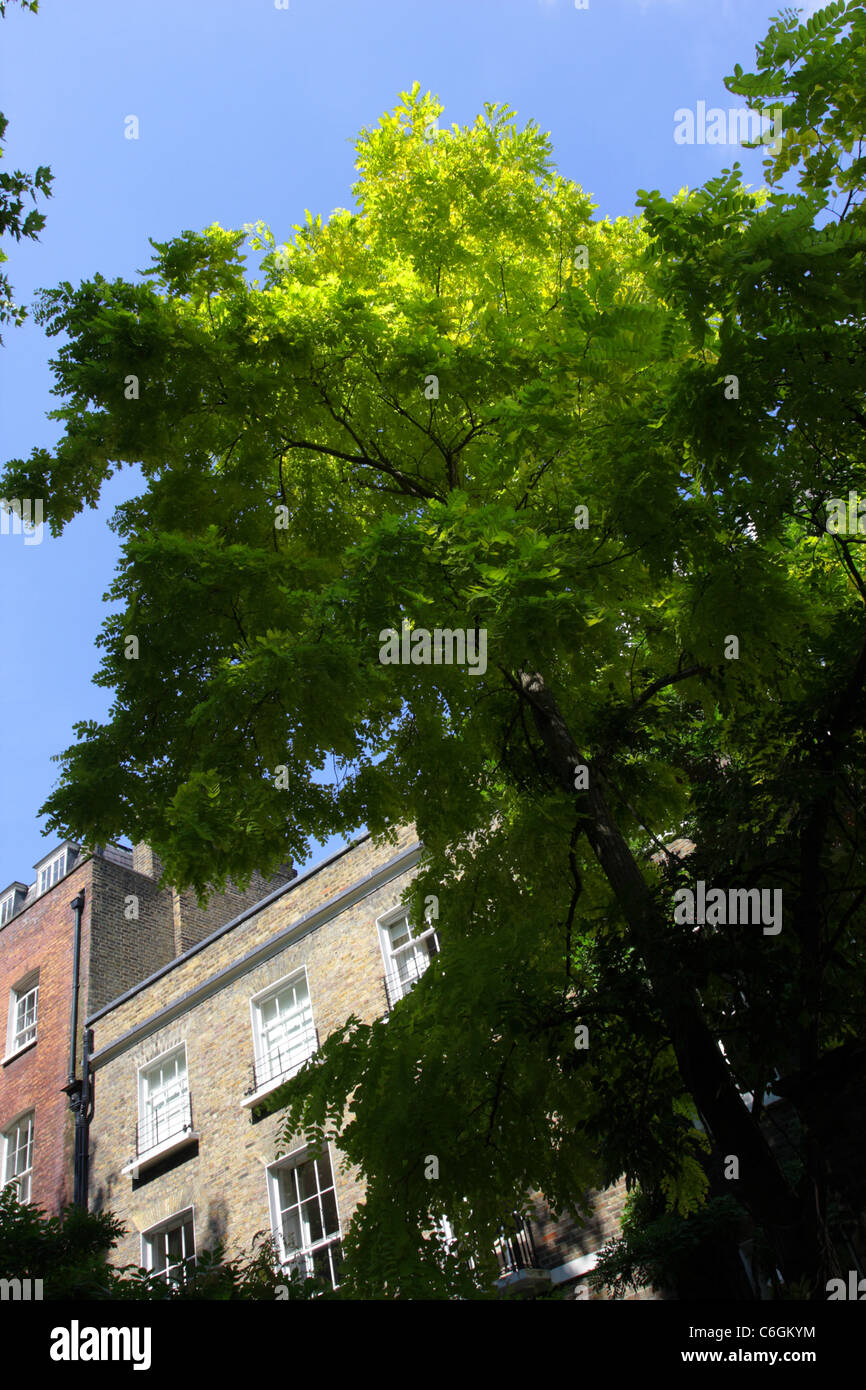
[(84, 854), (227, 927), (75, 844), (29, 901), (311, 921)]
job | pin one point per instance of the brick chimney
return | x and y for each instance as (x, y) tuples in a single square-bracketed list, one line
[(144, 861)]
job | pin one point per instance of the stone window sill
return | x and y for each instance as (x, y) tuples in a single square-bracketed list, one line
[(168, 1146), (19, 1052)]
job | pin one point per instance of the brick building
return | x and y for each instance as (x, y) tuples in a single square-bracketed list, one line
[(191, 1016), (90, 926), (178, 1149)]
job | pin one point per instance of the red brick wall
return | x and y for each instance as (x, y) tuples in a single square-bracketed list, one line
[(556, 1242), (116, 954), (41, 938), (569, 1238)]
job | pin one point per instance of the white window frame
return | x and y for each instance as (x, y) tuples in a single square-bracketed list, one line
[(16, 1041), (180, 1126), (396, 986), (302, 1259), (151, 1238), (53, 871), (7, 908), (268, 1074), (22, 1178)]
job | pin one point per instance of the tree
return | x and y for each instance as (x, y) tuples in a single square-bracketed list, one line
[(772, 286), (13, 191), (67, 1252), (470, 406), (696, 1255)]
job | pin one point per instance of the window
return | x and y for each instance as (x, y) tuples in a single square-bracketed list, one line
[(164, 1108), (22, 1010), (407, 954), (51, 872), (307, 1227), (12, 900), (283, 1030), (18, 1156), (169, 1250)]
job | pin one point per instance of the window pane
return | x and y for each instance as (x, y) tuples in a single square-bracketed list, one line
[(329, 1212), (287, 1187), (269, 1011), (311, 1221), (175, 1245), (410, 964), (324, 1163), (294, 996), (291, 1228), (399, 932), (307, 1179)]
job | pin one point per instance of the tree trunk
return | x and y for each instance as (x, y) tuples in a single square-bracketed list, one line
[(761, 1187)]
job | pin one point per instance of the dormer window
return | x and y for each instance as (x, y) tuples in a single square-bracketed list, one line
[(53, 871), (11, 900)]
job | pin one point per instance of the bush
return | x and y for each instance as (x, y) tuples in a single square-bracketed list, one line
[(69, 1253), (690, 1256)]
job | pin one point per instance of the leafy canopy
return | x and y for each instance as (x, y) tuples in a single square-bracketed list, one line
[(14, 189), (579, 363)]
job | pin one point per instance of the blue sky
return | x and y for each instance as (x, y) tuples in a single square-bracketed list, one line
[(248, 112)]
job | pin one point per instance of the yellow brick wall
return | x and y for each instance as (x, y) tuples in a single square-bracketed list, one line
[(225, 1181)]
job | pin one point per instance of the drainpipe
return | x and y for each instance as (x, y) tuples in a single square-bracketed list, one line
[(77, 906), (83, 1116), (78, 1088)]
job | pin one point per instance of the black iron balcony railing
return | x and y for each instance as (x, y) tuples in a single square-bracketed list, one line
[(515, 1248), (406, 972), (397, 986), (322, 1262), (167, 1122), (282, 1061)]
